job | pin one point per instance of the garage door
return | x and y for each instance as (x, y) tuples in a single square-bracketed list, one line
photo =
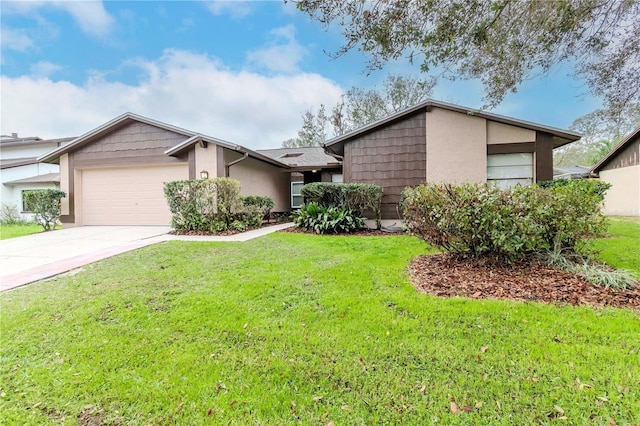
[(128, 196)]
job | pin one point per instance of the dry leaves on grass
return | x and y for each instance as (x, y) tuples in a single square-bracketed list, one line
[(445, 276)]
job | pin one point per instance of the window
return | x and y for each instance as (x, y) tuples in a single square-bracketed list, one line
[(507, 170), (296, 197), (25, 209), (336, 178)]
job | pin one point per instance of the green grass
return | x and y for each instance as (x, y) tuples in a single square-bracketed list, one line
[(622, 249), (18, 230), (299, 329)]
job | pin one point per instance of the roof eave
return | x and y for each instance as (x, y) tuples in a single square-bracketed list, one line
[(604, 160)]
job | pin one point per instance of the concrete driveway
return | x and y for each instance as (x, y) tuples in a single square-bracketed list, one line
[(31, 258)]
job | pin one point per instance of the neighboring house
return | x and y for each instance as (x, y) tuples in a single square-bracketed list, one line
[(115, 174), (440, 142), (20, 170), (571, 172), (308, 164), (621, 168)]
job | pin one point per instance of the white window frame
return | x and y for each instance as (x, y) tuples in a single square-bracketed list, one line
[(511, 169), (296, 194)]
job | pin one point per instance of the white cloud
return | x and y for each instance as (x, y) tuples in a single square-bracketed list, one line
[(181, 88), (281, 54), (44, 69), (15, 39), (237, 9), (91, 16)]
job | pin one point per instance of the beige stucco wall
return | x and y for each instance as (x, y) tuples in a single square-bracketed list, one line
[(206, 160), (498, 133), (623, 198), (260, 178), (64, 183), (456, 147)]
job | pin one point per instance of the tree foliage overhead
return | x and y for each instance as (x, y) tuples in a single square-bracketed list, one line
[(500, 42), (358, 107), (601, 131)]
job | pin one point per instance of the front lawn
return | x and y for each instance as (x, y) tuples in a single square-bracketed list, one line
[(18, 230), (622, 248), (302, 329)]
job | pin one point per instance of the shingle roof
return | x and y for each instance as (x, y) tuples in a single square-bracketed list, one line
[(301, 157), (46, 178), (6, 163)]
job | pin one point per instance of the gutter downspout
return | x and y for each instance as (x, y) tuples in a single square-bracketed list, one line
[(228, 166)]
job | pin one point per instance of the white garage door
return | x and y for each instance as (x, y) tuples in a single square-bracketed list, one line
[(128, 195)]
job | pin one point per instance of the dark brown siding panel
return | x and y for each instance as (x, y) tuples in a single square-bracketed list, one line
[(133, 143), (511, 148), (393, 157), (629, 156), (220, 161), (544, 156), (192, 164), (72, 198)]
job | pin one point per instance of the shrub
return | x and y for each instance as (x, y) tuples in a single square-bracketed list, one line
[(45, 206), (9, 214), (324, 220), (255, 208), (350, 196), (475, 220), (203, 204), (238, 225)]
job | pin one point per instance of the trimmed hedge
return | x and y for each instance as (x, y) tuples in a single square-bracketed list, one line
[(349, 196), (476, 220), (45, 206)]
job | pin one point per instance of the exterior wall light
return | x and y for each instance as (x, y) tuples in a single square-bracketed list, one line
[(204, 174)]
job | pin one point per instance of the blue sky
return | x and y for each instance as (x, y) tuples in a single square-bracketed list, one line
[(241, 71)]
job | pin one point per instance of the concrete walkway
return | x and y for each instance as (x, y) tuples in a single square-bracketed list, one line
[(24, 260)]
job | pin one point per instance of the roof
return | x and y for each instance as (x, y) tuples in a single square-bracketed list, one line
[(46, 178), (17, 162), (304, 157), (8, 142), (561, 137), (618, 148), (128, 117), (570, 171)]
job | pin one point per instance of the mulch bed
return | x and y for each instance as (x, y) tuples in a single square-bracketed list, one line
[(444, 276), (220, 234), (360, 233)]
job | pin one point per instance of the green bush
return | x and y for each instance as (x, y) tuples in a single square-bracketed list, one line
[(349, 196), (45, 206), (327, 220), (9, 214), (476, 220), (203, 204), (255, 208)]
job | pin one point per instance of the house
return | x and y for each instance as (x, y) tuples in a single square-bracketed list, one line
[(20, 170), (621, 168), (440, 142), (115, 173), (308, 164), (571, 172)]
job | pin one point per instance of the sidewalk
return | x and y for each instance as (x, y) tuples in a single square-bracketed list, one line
[(26, 269)]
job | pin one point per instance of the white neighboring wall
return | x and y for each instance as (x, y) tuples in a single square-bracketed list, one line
[(12, 193)]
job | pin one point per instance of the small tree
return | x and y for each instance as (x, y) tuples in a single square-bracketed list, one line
[(45, 205)]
